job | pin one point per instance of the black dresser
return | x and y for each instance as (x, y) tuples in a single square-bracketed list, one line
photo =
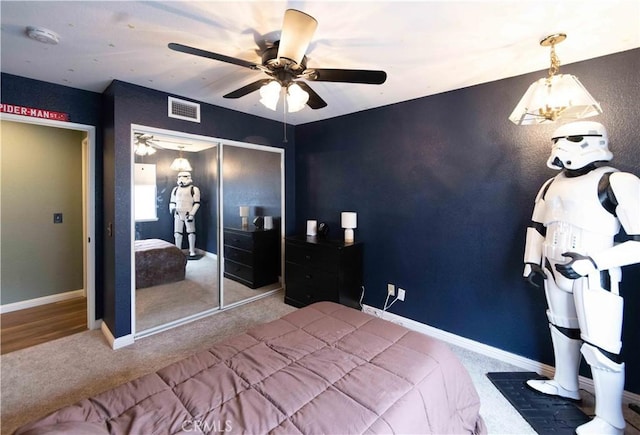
[(318, 269), (251, 256)]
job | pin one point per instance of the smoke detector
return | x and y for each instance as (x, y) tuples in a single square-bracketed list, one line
[(43, 35)]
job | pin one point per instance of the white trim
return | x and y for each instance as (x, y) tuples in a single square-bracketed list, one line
[(484, 349), (116, 343), (89, 217), (15, 306)]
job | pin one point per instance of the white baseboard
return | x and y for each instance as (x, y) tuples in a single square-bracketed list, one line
[(484, 349), (116, 343), (7, 308)]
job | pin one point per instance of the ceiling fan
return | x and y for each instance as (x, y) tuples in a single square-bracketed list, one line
[(285, 63)]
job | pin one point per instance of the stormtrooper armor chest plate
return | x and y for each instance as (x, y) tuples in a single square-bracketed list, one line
[(574, 216), (184, 198)]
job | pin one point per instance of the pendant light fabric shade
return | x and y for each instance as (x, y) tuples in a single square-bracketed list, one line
[(557, 97)]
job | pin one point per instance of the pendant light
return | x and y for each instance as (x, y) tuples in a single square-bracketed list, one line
[(556, 97), (181, 164)]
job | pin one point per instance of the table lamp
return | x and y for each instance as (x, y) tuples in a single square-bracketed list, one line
[(244, 214), (349, 221)]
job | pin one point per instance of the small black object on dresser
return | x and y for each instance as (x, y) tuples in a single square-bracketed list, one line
[(318, 269), (251, 256)]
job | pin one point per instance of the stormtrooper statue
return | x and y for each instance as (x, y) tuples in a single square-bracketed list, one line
[(184, 203), (570, 244)]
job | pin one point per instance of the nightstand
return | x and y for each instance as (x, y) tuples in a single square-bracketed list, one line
[(318, 269), (251, 256)]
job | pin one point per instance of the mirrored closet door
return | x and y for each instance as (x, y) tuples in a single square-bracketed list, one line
[(190, 259), (252, 205)]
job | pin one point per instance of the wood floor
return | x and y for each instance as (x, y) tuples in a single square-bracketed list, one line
[(31, 326)]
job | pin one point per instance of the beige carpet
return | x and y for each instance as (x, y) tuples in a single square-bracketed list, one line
[(198, 292)]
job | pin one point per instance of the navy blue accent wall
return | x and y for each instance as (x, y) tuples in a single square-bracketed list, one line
[(83, 107), (130, 104), (444, 189)]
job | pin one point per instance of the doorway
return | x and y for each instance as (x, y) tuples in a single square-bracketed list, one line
[(57, 262)]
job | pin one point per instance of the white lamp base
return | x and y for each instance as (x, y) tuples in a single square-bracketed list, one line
[(348, 235), (245, 221)]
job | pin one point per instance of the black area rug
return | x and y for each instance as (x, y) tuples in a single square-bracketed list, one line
[(545, 414)]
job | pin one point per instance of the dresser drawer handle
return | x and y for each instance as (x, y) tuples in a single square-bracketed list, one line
[(308, 276), (307, 257)]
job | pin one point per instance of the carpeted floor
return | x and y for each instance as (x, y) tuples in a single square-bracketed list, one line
[(198, 292)]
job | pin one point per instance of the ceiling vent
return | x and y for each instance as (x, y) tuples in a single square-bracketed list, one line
[(185, 110)]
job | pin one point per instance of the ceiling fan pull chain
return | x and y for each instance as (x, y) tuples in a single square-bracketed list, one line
[(284, 122)]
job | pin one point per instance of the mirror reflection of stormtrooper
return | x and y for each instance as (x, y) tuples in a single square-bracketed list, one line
[(184, 204), (570, 245)]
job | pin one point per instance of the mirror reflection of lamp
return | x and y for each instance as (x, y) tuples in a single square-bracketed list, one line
[(244, 214), (181, 164), (349, 221)]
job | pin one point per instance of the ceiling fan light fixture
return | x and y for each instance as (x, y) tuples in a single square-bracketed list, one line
[(143, 149), (296, 97), (270, 94), (556, 97)]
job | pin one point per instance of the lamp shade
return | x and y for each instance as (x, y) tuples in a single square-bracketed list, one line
[(270, 94), (181, 165), (559, 97), (349, 219), (296, 97), (244, 211)]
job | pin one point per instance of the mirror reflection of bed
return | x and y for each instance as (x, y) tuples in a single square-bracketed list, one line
[(171, 285)]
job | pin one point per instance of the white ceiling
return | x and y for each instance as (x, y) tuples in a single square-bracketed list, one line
[(426, 47)]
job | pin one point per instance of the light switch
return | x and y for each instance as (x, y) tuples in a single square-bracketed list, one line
[(57, 218)]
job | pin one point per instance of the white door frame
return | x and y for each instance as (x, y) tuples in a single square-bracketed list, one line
[(88, 171)]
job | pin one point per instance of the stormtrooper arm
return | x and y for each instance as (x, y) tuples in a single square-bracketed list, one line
[(172, 201), (535, 237), (624, 194), (196, 204)]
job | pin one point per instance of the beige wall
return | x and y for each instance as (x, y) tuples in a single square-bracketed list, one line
[(41, 174)]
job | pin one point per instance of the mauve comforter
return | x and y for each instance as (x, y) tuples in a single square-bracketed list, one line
[(323, 369)]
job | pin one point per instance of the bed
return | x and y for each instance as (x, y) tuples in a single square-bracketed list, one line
[(158, 262), (325, 368)]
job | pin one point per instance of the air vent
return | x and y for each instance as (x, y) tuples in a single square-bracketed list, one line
[(182, 109)]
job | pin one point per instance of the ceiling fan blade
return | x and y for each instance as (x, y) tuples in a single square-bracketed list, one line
[(369, 77), (251, 87), (315, 102), (210, 55), (297, 30)]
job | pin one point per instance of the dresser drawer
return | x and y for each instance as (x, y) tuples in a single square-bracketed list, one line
[(238, 240), (310, 255), (309, 277), (238, 272), (238, 255)]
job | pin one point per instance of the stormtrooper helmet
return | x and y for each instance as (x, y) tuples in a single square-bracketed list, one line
[(184, 178), (577, 144)]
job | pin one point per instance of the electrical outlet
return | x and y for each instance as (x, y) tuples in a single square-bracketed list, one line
[(401, 293), (391, 289)]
